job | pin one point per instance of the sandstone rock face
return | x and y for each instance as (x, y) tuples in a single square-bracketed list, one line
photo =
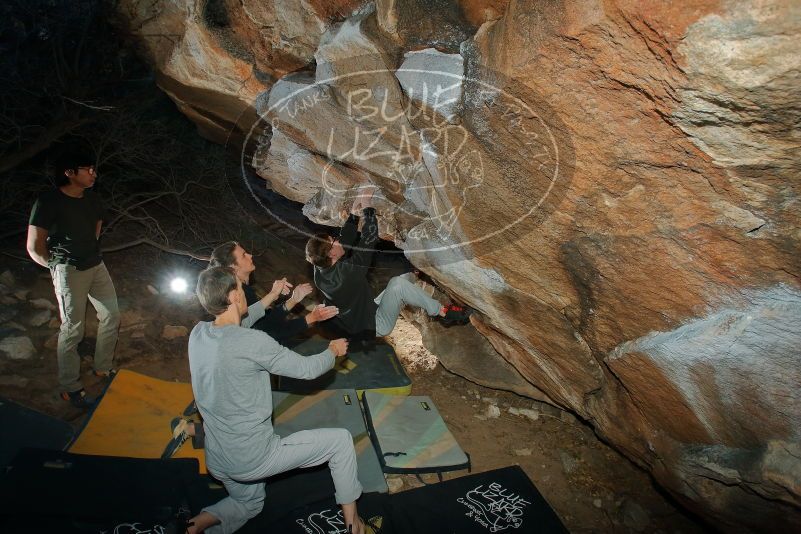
[(214, 57), (611, 185)]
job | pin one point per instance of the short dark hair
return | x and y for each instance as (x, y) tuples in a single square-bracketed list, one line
[(69, 158), (317, 249), (213, 286), (223, 255)]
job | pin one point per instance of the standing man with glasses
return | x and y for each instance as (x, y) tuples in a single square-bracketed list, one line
[(63, 232)]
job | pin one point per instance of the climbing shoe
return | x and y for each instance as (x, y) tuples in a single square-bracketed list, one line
[(79, 398), (178, 427), (107, 375), (455, 315)]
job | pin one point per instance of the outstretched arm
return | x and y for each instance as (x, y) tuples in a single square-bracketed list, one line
[(349, 233), (280, 360), (362, 255), (255, 312)]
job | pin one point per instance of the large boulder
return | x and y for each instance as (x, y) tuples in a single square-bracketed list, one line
[(611, 185)]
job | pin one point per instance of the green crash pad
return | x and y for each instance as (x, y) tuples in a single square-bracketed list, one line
[(410, 436), (376, 368), (336, 408)]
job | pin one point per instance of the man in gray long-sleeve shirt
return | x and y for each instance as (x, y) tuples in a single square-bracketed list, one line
[(231, 365)]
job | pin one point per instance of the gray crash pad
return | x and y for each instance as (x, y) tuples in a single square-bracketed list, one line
[(331, 409)]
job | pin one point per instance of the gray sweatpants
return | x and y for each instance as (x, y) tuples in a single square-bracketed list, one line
[(301, 449), (399, 292), (73, 288)]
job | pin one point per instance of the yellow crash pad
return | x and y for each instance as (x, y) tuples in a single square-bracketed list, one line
[(133, 419)]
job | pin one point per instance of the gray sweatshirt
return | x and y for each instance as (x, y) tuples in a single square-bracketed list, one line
[(230, 367)]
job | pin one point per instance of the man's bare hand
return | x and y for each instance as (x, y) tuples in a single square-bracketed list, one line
[(357, 526), (280, 287), (300, 292), (321, 312), (339, 347)]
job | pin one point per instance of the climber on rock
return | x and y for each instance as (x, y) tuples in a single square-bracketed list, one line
[(342, 278)]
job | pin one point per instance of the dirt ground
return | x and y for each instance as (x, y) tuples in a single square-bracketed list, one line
[(591, 487)]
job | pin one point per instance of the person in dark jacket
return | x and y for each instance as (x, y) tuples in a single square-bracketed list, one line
[(276, 321), (342, 278)]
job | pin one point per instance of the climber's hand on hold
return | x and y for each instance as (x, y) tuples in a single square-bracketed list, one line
[(364, 199)]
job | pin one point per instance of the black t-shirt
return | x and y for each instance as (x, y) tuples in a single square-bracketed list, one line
[(71, 225)]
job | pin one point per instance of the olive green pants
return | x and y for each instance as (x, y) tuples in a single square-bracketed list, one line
[(73, 289)]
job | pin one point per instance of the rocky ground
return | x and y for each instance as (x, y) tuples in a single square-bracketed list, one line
[(592, 488)]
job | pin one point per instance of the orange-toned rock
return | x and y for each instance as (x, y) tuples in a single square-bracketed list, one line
[(214, 58)]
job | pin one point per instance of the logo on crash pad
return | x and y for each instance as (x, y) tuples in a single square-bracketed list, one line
[(331, 521), (494, 507)]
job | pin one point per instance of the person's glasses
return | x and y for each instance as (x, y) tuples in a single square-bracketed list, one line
[(90, 169)]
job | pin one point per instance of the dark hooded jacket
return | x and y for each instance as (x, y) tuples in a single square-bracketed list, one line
[(345, 284)]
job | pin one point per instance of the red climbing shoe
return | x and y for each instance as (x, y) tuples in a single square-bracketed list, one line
[(455, 315)]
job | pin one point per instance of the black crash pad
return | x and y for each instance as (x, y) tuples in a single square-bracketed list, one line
[(55, 491), (503, 500), (321, 517), (23, 427)]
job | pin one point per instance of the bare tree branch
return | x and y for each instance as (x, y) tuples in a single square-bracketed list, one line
[(160, 246), (99, 108), (43, 142)]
